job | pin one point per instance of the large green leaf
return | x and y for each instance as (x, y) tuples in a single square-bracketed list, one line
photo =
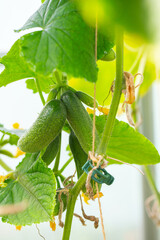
[(16, 68), (35, 183), (128, 145), (64, 41)]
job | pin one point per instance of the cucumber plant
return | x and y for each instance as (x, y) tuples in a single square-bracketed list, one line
[(68, 46)]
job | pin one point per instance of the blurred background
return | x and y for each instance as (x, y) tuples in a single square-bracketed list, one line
[(123, 202)]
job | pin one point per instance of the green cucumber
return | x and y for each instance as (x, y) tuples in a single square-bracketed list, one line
[(80, 157), (51, 151), (79, 120), (52, 94), (109, 56), (86, 99), (57, 206), (45, 129)]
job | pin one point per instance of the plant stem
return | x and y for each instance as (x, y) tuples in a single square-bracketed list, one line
[(106, 136), (56, 165), (152, 183), (40, 91), (57, 77), (64, 166), (5, 166), (6, 153), (70, 206), (117, 93)]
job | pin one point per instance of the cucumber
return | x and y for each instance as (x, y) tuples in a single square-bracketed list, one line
[(51, 151), (80, 157), (45, 129), (52, 94), (87, 99), (109, 56), (79, 120), (57, 206)]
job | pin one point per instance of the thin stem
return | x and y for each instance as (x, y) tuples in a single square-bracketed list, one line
[(57, 77), (6, 153), (56, 165), (152, 183), (40, 91), (64, 166), (70, 206), (5, 166), (117, 93)]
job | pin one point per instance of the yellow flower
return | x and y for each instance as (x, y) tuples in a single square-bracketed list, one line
[(96, 195), (18, 228), (86, 198), (89, 110), (15, 125), (2, 179), (104, 110), (53, 224), (19, 153)]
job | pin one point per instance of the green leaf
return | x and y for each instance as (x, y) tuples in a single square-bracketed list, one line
[(34, 183), (14, 134), (16, 68), (128, 145), (64, 42)]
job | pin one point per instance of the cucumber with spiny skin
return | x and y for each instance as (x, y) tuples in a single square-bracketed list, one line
[(51, 151), (45, 129), (79, 120), (80, 157), (85, 98)]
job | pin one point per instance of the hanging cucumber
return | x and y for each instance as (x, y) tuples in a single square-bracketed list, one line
[(85, 98), (79, 120), (45, 129), (57, 206), (80, 157), (52, 94), (51, 151), (109, 56)]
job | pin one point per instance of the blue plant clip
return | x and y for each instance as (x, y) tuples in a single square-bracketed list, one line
[(99, 175)]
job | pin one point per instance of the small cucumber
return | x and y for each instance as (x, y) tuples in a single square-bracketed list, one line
[(51, 151), (52, 94), (57, 206), (45, 129), (109, 56), (87, 99), (79, 120), (80, 157)]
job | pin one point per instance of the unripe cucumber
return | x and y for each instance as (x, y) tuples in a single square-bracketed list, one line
[(109, 56), (45, 129), (80, 157), (52, 94), (57, 206), (87, 99), (51, 151), (79, 120)]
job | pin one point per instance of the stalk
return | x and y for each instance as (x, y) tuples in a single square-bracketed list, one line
[(106, 136), (40, 91), (117, 93)]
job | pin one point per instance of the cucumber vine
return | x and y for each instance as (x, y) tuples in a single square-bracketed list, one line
[(53, 58)]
